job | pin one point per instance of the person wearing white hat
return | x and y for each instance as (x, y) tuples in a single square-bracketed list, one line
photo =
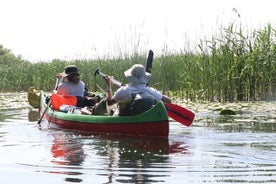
[(136, 97)]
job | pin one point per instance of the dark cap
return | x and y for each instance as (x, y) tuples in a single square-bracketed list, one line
[(70, 70)]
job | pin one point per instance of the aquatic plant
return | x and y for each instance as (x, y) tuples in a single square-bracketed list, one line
[(234, 65)]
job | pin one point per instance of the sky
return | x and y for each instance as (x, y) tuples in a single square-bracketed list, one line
[(43, 30)]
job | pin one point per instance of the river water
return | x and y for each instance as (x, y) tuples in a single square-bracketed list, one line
[(215, 149)]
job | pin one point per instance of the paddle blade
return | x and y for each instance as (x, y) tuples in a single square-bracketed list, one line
[(149, 62), (180, 114)]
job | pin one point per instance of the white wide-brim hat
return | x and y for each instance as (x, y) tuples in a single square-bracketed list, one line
[(137, 74)]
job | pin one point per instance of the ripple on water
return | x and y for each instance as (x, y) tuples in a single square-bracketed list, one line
[(215, 149)]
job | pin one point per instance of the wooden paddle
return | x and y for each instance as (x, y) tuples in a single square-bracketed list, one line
[(176, 112)]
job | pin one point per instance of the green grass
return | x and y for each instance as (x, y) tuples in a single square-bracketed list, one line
[(235, 65)]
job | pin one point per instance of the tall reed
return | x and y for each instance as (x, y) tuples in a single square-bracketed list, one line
[(234, 65)]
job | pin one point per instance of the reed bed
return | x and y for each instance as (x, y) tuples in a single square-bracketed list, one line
[(234, 65)]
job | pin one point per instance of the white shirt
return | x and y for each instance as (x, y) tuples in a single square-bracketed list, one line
[(67, 88), (125, 93)]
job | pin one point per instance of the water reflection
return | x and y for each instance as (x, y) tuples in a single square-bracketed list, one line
[(33, 115), (132, 157), (216, 149), (67, 151), (124, 158)]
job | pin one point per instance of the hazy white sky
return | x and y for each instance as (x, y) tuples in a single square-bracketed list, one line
[(42, 30)]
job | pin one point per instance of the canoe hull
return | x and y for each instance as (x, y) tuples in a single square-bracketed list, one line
[(134, 128), (153, 122)]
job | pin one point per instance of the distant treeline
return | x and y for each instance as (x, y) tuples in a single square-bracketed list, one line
[(232, 66)]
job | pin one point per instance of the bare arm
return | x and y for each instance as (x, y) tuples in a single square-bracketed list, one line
[(109, 100)]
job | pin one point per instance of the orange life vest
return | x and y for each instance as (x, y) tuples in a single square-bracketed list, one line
[(59, 100)]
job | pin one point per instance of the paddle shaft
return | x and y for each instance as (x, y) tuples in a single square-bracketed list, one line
[(112, 79), (49, 102)]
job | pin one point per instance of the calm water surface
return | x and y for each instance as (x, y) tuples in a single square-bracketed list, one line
[(215, 149)]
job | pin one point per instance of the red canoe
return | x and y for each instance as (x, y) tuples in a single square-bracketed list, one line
[(154, 122)]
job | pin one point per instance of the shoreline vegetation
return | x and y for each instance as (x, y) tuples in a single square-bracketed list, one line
[(233, 66)]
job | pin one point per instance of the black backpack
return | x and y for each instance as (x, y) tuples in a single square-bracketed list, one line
[(138, 105)]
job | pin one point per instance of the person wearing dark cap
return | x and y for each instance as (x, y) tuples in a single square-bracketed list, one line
[(71, 84), (136, 97)]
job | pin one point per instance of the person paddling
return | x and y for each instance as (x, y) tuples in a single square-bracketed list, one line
[(136, 97)]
